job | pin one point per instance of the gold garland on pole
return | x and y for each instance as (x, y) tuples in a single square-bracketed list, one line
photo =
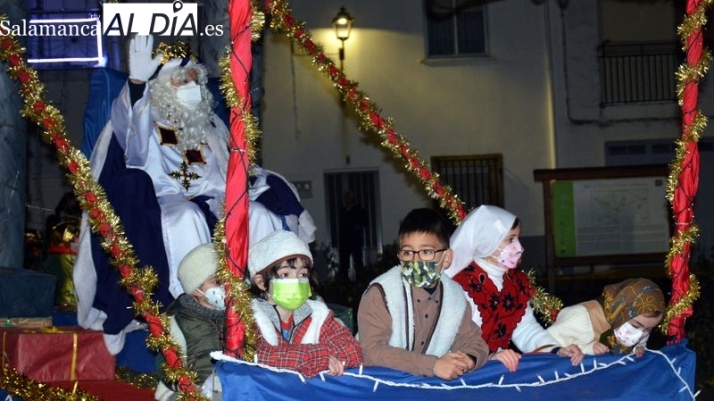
[(239, 297), (240, 290), (685, 287), (232, 99), (102, 219)]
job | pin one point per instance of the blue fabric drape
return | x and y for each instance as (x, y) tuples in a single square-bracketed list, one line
[(280, 199), (131, 194), (655, 376), (104, 87)]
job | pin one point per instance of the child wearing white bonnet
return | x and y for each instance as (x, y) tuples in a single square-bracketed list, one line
[(297, 333)]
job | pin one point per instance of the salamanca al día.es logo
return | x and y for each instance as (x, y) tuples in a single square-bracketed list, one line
[(159, 19)]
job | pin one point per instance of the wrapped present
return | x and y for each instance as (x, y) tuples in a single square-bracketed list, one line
[(26, 322), (52, 354)]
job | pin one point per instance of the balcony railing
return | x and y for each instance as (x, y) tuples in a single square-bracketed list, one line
[(638, 72)]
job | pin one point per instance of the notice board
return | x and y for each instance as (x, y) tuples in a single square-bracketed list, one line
[(604, 215)]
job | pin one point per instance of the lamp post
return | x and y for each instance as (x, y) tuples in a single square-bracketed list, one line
[(343, 26)]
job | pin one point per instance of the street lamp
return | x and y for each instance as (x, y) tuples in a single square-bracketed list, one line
[(343, 25)]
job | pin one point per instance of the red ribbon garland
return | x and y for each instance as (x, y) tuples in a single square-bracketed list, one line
[(688, 182), (89, 201), (349, 91), (239, 14)]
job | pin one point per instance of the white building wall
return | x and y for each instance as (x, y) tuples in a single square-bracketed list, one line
[(586, 124), (535, 99), (500, 104)]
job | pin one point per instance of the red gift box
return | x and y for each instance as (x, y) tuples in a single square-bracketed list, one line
[(51, 354)]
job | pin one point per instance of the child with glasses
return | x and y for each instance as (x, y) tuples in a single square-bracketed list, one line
[(487, 254), (297, 331), (412, 318)]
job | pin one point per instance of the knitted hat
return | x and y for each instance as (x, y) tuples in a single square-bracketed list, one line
[(479, 235), (197, 266), (274, 249)]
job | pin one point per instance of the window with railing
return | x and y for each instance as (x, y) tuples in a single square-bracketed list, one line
[(638, 72), (476, 179)]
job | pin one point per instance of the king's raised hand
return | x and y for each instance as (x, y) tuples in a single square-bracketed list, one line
[(141, 64)]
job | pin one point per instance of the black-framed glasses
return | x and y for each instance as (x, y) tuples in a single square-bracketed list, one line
[(424, 254)]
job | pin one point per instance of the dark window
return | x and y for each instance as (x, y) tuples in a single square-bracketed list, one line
[(455, 28), (476, 179)]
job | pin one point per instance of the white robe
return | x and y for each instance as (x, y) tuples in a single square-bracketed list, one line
[(183, 224)]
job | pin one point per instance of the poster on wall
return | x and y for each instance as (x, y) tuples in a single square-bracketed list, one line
[(620, 216)]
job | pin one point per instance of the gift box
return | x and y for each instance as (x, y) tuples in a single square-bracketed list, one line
[(54, 354), (26, 322)]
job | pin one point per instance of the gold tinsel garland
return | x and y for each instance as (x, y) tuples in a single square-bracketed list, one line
[(18, 385), (239, 294), (257, 22), (547, 305), (682, 304), (366, 111), (233, 100), (677, 243), (178, 50), (138, 380), (92, 199)]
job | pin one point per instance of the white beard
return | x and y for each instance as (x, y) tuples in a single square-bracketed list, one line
[(191, 124)]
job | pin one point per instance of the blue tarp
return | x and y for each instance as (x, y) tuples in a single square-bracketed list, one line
[(665, 374)]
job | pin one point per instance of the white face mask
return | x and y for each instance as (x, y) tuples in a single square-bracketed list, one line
[(189, 94), (628, 335), (511, 254), (215, 296)]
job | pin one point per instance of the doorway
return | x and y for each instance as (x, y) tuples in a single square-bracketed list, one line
[(364, 185)]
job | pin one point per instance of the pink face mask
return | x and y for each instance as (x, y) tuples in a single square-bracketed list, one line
[(511, 254), (628, 335)]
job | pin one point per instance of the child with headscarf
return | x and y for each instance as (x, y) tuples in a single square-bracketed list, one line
[(487, 254), (619, 321)]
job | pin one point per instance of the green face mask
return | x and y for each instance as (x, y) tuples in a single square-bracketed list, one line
[(290, 293), (421, 273)]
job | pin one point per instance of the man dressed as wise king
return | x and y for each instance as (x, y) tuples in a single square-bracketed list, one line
[(162, 161)]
